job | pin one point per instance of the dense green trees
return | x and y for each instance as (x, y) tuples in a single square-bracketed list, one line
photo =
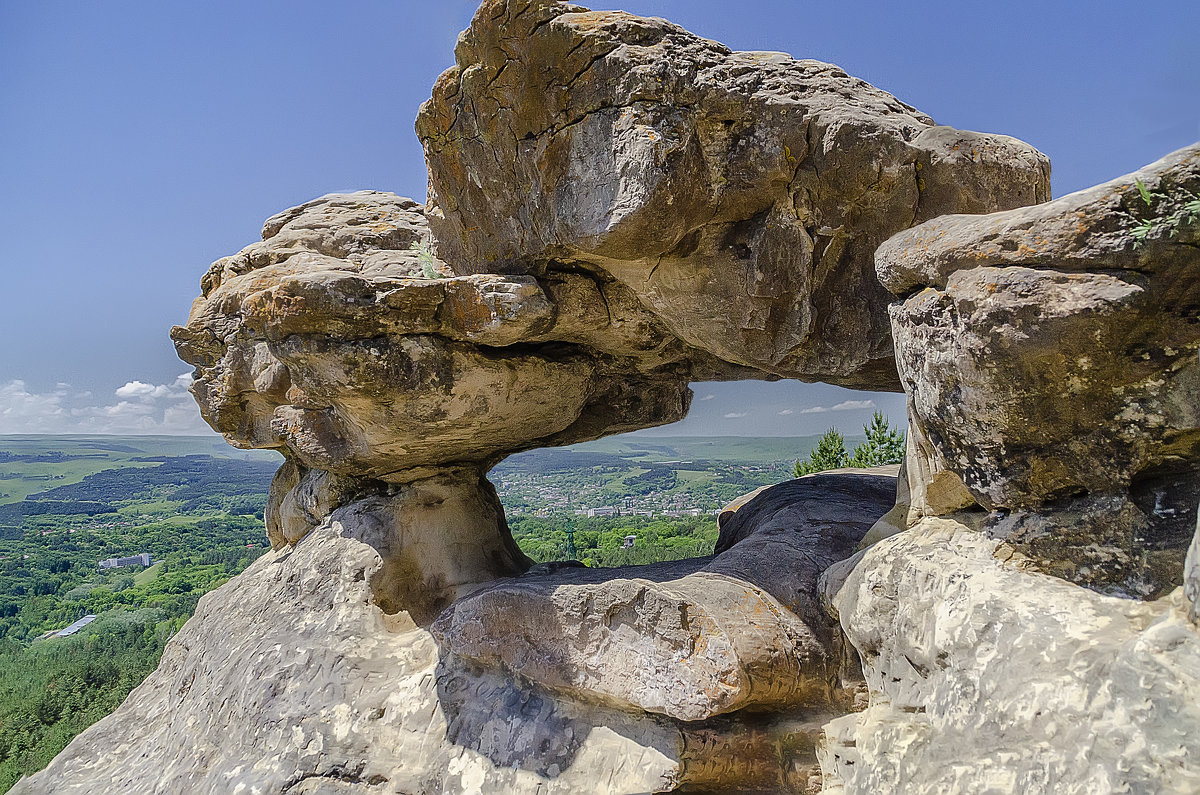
[(199, 517), (883, 445), (51, 691), (600, 541), (830, 453)]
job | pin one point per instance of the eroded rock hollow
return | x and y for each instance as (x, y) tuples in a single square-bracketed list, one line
[(617, 208)]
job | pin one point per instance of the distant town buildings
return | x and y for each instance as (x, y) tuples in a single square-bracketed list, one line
[(142, 559)]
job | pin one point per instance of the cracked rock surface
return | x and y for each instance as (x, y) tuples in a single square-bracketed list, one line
[(692, 174), (985, 676)]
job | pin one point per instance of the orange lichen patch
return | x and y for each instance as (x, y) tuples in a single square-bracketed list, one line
[(468, 312)]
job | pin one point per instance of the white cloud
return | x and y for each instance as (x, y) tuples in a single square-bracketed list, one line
[(140, 408), (22, 411), (733, 415), (786, 412), (149, 392), (851, 405), (845, 405), (709, 396)]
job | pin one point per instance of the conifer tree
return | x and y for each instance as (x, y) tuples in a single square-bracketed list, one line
[(883, 445), (830, 453)]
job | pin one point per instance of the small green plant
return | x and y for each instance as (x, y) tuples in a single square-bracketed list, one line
[(426, 259), (1152, 225)]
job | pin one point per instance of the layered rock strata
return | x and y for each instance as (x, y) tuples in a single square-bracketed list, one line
[(1050, 354), (340, 339)]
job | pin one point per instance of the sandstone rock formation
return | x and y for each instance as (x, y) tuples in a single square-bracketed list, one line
[(341, 340), (1050, 356), (292, 679), (986, 677), (573, 139), (618, 208), (694, 639), (313, 673)]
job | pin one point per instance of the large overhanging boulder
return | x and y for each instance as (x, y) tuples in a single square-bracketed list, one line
[(1050, 357), (739, 195)]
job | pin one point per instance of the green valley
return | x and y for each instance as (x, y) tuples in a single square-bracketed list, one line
[(83, 620)]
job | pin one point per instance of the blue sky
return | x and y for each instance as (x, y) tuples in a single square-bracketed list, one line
[(142, 140)]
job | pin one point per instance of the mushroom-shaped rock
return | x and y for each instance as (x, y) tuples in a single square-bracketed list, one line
[(740, 195), (339, 340), (1050, 357)]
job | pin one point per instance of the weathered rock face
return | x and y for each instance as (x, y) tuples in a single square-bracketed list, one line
[(1050, 355), (327, 341), (693, 639), (291, 678), (618, 208), (692, 175), (985, 677)]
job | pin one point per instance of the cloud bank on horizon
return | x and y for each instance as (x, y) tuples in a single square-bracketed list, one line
[(736, 408), (138, 408)]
